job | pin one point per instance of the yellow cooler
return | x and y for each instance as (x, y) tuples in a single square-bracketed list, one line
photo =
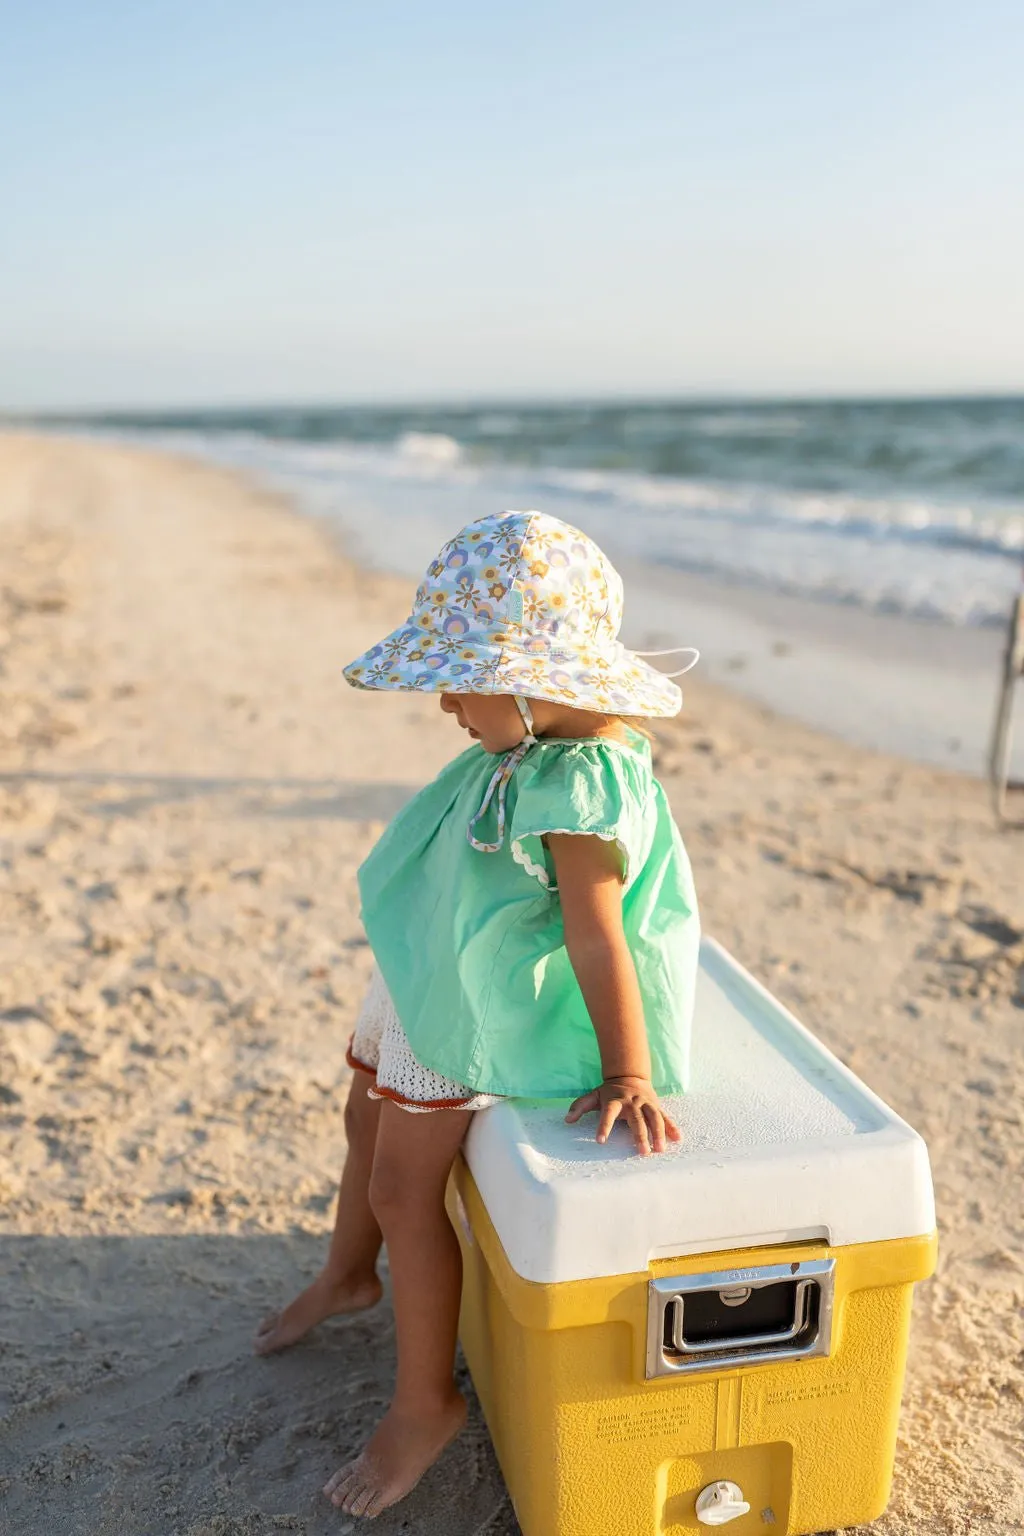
[(714, 1336)]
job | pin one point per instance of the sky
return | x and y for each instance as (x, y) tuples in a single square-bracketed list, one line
[(229, 203)]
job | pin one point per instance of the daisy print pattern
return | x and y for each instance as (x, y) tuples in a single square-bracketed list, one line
[(521, 603)]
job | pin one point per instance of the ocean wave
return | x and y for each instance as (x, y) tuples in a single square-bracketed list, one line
[(429, 448), (972, 606), (971, 448), (996, 530), (955, 563)]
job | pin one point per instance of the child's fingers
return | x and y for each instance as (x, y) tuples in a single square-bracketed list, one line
[(584, 1105), (609, 1115), (638, 1125), (656, 1125), (672, 1130)]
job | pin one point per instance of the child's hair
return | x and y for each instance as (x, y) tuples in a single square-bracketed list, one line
[(638, 723)]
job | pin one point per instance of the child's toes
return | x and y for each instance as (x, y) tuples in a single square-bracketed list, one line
[(346, 1490), (359, 1502), (268, 1341), (334, 1482)]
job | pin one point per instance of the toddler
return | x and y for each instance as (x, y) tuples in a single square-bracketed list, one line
[(534, 925)]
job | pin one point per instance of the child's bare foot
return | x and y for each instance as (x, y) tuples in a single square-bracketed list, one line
[(395, 1458), (326, 1297)]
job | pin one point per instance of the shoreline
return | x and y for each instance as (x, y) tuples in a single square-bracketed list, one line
[(910, 687), (186, 790)]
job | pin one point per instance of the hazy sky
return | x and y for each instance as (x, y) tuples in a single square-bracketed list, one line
[(227, 201)]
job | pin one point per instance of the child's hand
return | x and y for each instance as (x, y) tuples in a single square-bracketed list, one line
[(634, 1099)]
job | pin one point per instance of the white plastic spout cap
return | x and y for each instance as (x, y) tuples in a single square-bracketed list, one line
[(719, 1503)]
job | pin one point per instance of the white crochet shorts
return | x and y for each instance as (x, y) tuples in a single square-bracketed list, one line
[(379, 1046)]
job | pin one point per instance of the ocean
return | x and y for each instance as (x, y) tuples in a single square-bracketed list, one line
[(910, 507), (848, 563)]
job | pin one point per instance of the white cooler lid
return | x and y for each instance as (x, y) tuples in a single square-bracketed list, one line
[(780, 1143)]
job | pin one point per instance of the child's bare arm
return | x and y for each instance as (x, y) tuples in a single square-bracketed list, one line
[(589, 875)]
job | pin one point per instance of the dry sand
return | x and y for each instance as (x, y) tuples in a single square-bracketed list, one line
[(186, 788)]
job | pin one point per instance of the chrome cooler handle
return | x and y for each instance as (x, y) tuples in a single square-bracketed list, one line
[(801, 1296), (807, 1333)]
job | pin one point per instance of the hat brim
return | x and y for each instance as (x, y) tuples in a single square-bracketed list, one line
[(611, 681)]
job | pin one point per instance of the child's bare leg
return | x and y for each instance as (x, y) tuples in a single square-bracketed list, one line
[(414, 1157), (348, 1281)]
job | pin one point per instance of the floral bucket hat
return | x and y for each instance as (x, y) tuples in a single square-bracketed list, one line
[(526, 605)]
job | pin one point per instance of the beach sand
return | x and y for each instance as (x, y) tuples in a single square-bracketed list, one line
[(186, 789)]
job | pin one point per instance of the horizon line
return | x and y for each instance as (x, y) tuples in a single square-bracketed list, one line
[(469, 402)]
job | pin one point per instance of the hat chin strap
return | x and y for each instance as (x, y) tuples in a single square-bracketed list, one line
[(527, 714), (674, 650), (499, 783)]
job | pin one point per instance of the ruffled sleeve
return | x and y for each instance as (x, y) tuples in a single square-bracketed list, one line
[(583, 789)]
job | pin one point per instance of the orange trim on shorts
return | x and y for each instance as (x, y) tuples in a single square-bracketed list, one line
[(399, 1098), (404, 1103), (354, 1061)]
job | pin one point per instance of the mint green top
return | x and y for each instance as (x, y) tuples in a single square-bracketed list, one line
[(471, 945)]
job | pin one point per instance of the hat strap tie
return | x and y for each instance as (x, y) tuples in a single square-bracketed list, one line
[(674, 650), (500, 781)]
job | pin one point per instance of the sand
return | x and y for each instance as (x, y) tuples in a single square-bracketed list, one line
[(905, 686), (186, 789)]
